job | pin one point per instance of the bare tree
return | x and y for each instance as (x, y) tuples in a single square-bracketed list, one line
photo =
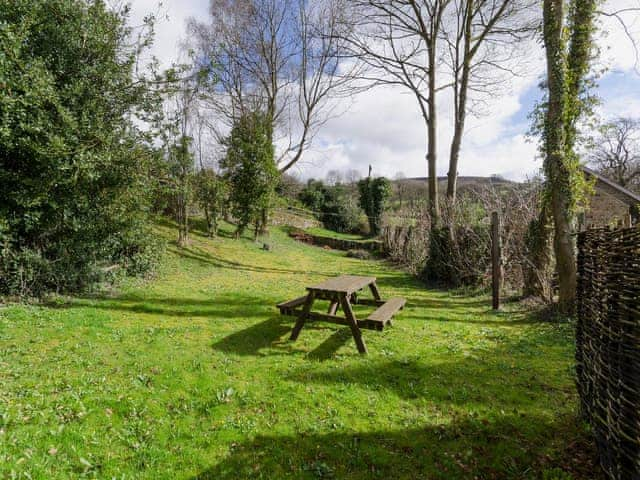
[(616, 151), (208, 186), (398, 41), (175, 133), (427, 46), (283, 57), (401, 187), (482, 39)]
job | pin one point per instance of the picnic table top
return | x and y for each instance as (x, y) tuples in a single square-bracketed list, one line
[(343, 284)]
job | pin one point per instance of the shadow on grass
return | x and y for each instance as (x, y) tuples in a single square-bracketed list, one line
[(509, 447), (253, 340), (198, 225), (271, 337), (327, 349), (496, 432), (460, 381), (219, 307), (454, 305), (220, 262)]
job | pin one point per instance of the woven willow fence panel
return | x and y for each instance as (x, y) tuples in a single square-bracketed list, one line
[(608, 345)]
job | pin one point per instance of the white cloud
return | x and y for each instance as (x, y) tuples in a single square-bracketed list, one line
[(618, 52), (172, 19), (384, 127)]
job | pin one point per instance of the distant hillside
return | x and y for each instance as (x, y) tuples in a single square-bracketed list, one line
[(462, 181), (413, 191)]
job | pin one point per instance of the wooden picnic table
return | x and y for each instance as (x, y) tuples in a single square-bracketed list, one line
[(342, 291)]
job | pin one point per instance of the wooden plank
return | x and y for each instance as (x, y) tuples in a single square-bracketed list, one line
[(353, 323), (338, 320), (344, 284), (384, 313), (292, 303), (302, 318), (326, 317)]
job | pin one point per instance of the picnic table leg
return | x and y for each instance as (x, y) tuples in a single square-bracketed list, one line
[(353, 323), (303, 316), (376, 295), (333, 307), (374, 291)]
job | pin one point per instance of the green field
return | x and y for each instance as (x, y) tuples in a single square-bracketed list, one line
[(192, 376)]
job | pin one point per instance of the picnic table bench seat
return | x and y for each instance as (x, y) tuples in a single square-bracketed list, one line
[(288, 308), (382, 316)]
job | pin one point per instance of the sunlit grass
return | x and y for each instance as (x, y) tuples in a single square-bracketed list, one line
[(192, 376), (323, 232)]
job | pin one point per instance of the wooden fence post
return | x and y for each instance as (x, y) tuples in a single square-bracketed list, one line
[(496, 260)]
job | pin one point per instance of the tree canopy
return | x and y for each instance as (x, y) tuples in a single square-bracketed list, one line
[(73, 157)]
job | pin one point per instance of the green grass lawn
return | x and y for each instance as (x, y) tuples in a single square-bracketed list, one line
[(323, 232), (192, 376)]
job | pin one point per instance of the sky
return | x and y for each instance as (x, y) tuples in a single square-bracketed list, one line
[(383, 128)]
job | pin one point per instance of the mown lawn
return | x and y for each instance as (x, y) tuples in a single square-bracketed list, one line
[(192, 376), (323, 232)]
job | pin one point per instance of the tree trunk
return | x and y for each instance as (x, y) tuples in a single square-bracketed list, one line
[(538, 271), (432, 134), (578, 63), (183, 221), (461, 91), (456, 143), (558, 175), (565, 255), (264, 222), (452, 176), (207, 216)]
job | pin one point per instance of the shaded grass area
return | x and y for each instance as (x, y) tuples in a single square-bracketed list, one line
[(192, 376)]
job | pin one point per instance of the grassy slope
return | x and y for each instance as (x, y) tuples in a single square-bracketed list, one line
[(192, 376), (323, 232)]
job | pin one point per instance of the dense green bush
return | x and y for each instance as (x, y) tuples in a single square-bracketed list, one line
[(374, 194), (250, 169), (73, 161), (141, 252), (313, 195), (340, 211), (334, 206)]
